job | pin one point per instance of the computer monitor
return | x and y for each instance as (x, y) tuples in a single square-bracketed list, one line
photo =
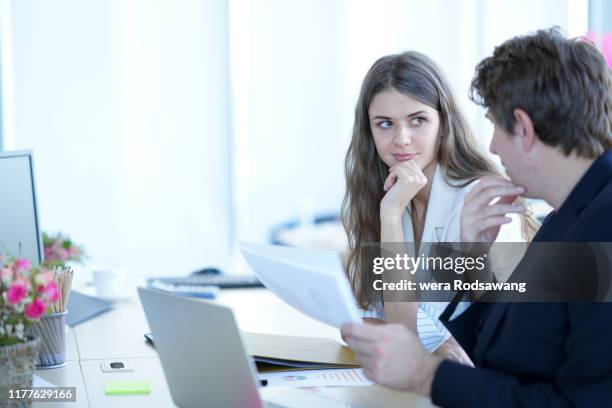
[(19, 223)]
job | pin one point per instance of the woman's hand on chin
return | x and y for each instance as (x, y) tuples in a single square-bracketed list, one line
[(405, 180)]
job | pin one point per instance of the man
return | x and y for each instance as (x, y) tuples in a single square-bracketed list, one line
[(550, 100)]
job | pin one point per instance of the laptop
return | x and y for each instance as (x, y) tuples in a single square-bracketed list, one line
[(204, 359)]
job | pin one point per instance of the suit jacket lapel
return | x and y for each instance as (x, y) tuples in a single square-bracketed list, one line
[(491, 323)]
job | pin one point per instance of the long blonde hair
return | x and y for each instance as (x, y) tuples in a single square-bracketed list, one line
[(459, 155)]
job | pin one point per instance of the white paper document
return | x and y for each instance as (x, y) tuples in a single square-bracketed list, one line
[(312, 281), (345, 377)]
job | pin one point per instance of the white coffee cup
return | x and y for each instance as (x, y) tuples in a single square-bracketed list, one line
[(109, 282)]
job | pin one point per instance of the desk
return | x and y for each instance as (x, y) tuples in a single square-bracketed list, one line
[(118, 334)]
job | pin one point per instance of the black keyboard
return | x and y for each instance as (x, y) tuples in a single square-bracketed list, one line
[(222, 281)]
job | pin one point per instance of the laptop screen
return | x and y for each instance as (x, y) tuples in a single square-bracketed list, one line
[(19, 229)]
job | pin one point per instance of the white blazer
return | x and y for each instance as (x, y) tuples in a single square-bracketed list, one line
[(443, 224)]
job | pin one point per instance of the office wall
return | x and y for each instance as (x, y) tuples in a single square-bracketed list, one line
[(292, 118), (126, 107), (600, 25), (4, 75), (1, 139)]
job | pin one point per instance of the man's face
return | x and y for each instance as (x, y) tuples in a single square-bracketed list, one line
[(510, 150)]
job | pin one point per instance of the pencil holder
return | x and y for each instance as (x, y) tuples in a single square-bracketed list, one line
[(52, 333)]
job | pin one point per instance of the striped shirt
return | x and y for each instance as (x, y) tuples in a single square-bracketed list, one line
[(432, 332)]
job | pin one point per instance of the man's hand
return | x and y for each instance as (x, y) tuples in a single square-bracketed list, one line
[(392, 356), (451, 350), (481, 218)]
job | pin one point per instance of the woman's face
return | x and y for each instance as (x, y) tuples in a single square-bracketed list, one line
[(404, 129)]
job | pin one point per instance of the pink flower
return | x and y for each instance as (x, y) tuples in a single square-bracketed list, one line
[(64, 254), (35, 309), (48, 253), (21, 264), (6, 275), (51, 291), (43, 277), (25, 282), (15, 293)]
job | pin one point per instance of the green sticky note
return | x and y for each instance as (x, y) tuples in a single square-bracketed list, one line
[(127, 388)]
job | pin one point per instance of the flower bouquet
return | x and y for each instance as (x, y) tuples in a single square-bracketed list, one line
[(25, 294)]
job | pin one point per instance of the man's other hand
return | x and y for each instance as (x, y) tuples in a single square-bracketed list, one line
[(392, 356)]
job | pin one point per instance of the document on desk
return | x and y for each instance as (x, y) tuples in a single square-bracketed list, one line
[(318, 378), (312, 281), (273, 352)]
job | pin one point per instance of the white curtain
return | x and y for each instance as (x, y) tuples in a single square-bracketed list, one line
[(126, 106)]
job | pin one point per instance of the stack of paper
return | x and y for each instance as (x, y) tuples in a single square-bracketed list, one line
[(274, 352), (312, 281), (303, 361)]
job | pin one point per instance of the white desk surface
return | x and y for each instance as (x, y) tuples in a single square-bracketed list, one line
[(118, 334)]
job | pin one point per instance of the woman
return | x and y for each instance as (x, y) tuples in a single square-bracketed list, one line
[(411, 162)]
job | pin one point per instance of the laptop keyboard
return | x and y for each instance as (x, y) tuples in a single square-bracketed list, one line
[(222, 281)]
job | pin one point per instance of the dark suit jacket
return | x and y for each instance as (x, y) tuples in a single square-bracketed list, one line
[(540, 354)]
